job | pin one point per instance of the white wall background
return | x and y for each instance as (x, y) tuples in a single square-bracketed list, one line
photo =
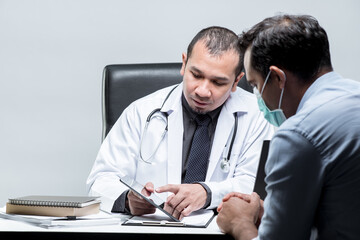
[(52, 53)]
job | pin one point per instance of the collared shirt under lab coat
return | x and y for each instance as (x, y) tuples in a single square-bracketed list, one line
[(119, 152)]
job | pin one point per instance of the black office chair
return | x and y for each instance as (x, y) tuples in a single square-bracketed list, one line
[(124, 83)]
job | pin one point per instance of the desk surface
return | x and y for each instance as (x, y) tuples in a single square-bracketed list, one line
[(16, 228)]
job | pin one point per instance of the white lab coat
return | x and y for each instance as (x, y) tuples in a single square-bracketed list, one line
[(119, 152)]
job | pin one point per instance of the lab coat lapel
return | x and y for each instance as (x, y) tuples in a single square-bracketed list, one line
[(175, 135), (224, 126)]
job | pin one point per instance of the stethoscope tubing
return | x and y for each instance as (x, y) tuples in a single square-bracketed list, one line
[(233, 137), (148, 119)]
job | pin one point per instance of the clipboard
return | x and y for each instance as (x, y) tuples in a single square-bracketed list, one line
[(199, 219)]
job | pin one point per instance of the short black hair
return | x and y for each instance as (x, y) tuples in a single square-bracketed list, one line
[(217, 40), (293, 42)]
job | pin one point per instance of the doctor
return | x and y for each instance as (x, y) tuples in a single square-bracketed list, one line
[(156, 138)]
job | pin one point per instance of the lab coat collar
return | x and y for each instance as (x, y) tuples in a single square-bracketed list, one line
[(235, 102), (173, 103)]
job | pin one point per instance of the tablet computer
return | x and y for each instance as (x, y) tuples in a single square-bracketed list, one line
[(153, 199)]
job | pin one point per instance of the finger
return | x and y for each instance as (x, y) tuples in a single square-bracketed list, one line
[(140, 206), (246, 197), (170, 210), (170, 198), (148, 189), (183, 209), (255, 200), (142, 211), (176, 214), (166, 206), (255, 203), (227, 197), (174, 188), (179, 209), (186, 212), (174, 200), (139, 202), (230, 195), (243, 196), (149, 186), (262, 203), (172, 205), (133, 194), (219, 207)]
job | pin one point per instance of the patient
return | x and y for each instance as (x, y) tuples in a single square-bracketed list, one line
[(313, 168)]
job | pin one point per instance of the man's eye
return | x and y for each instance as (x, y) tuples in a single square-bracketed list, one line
[(218, 83), (196, 75)]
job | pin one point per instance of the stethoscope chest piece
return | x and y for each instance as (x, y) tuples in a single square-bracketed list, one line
[(225, 165), (225, 161)]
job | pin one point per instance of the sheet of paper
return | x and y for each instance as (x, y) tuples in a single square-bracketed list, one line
[(101, 218)]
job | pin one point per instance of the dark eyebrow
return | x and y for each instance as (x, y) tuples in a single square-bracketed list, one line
[(196, 69), (193, 68)]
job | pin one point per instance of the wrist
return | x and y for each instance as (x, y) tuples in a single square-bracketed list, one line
[(244, 229), (208, 194), (127, 205)]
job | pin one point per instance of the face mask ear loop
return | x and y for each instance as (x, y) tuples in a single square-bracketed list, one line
[(281, 95), (267, 78), (282, 91)]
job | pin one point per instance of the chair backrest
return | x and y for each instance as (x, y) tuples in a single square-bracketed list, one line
[(124, 83)]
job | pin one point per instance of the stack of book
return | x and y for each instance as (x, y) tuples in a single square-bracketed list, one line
[(56, 206)]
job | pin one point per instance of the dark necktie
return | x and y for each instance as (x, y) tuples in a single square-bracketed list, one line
[(199, 151)]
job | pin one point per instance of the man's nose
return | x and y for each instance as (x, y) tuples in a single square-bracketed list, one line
[(203, 89)]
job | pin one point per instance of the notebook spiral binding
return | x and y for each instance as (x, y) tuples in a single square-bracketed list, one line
[(44, 203)]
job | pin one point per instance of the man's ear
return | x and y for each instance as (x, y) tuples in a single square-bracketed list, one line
[(279, 76), (184, 59), (233, 89)]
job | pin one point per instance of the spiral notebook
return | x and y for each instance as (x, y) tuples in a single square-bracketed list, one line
[(57, 206), (55, 201)]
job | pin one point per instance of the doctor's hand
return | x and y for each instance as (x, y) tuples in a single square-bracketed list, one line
[(238, 215), (139, 206), (186, 198)]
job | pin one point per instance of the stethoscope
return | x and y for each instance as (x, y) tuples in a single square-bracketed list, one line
[(225, 161)]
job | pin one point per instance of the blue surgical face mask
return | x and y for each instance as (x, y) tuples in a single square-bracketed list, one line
[(276, 117)]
